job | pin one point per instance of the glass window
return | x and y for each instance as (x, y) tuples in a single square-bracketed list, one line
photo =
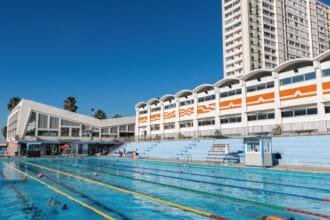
[(311, 111), (326, 72), (131, 127), (43, 133), (327, 108), (53, 123), (75, 132), (252, 117), (271, 115), (32, 119), (53, 133), (65, 122), (299, 112), (64, 132), (310, 76), (299, 78), (286, 114), (285, 81), (43, 121), (114, 130), (122, 128)]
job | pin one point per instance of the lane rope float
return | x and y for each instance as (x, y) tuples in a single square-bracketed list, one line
[(104, 215), (151, 198)]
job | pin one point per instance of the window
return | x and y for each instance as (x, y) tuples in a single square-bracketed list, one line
[(327, 109), (298, 78), (260, 87), (231, 93), (75, 132), (299, 112), (154, 127), (326, 72), (169, 126), (114, 130), (122, 128), (43, 121), (155, 109), (186, 124), (173, 105), (261, 116), (131, 127), (232, 119), (64, 132), (188, 102), (53, 123), (206, 122), (206, 98), (143, 112)]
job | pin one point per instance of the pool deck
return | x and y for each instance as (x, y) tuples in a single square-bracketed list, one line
[(279, 167), (276, 167)]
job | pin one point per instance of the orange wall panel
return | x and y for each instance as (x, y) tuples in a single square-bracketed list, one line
[(260, 99), (231, 104), (297, 93)]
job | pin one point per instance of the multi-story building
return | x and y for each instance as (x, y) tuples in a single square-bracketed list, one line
[(292, 98), (261, 34), (41, 128)]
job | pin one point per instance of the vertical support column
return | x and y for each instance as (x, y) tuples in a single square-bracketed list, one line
[(244, 122), (217, 108), (277, 99), (177, 115), (161, 121), (195, 115), (137, 132), (148, 121), (322, 127)]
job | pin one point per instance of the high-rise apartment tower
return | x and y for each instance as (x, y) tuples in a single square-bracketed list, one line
[(261, 34)]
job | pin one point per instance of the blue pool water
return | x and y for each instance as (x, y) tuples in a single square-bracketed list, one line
[(138, 189)]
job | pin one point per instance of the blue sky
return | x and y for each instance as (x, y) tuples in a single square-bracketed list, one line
[(109, 54)]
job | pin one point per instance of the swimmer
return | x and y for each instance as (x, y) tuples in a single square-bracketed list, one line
[(53, 203), (95, 174), (264, 217), (142, 173), (180, 171), (65, 207), (40, 175), (24, 179), (212, 171)]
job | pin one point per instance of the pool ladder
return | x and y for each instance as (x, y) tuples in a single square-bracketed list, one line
[(188, 158)]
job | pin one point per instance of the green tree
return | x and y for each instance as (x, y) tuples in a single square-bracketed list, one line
[(117, 116), (70, 104), (13, 103), (4, 131), (100, 114)]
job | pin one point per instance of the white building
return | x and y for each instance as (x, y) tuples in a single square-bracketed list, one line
[(40, 124), (291, 98), (261, 34)]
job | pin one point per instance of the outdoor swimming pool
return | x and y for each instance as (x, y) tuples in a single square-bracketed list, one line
[(138, 189)]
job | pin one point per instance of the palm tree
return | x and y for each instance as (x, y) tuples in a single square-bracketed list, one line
[(13, 103), (4, 131), (100, 114), (117, 116), (70, 104)]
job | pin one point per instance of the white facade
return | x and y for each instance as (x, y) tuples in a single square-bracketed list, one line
[(31, 121), (291, 98), (263, 34)]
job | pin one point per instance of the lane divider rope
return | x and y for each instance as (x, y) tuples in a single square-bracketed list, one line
[(267, 205), (151, 198), (104, 215)]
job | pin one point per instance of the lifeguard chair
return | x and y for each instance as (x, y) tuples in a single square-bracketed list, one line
[(258, 151)]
